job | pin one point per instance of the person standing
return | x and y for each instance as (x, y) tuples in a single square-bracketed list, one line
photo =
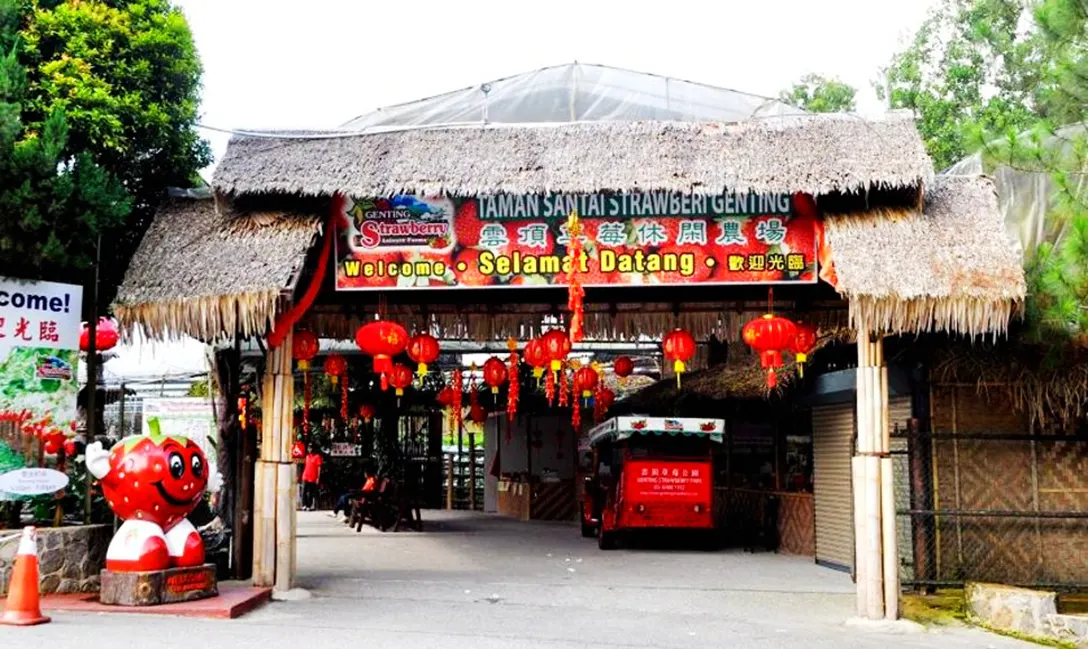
[(311, 477)]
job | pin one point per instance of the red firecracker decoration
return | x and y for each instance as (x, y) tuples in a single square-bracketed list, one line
[(423, 349), (304, 347), (623, 367), (458, 386), (549, 388), (514, 387), (575, 292), (585, 381), (383, 340), (105, 336), (679, 347), (804, 340), (400, 378), (537, 358), (494, 373), (576, 415), (367, 412), (564, 389), (769, 335)]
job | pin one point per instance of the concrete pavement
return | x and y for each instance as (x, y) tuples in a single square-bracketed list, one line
[(483, 582)]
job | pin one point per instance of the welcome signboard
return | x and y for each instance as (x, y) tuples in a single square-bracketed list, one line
[(634, 238)]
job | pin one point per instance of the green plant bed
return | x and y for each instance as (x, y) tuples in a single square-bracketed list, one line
[(943, 607)]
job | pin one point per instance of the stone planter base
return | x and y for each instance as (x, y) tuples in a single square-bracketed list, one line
[(158, 587), (69, 558)]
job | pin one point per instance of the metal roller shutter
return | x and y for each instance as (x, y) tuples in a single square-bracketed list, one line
[(832, 448)]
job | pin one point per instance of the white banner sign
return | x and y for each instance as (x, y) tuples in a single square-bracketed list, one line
[(346, 449), (39, 314), (190, 417)]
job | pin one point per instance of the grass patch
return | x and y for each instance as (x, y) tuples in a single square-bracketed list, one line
[(1045, 642), (942, 608)]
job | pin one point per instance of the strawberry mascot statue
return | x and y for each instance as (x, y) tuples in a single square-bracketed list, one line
[(153, 482)]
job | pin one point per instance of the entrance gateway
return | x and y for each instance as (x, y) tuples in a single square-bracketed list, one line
[(461, 233)]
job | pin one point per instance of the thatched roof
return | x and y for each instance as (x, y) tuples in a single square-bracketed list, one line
[(951, 268), (205, 272), (818, 154)]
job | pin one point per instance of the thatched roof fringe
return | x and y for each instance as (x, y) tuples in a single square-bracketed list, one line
[(950, 268), (818, 154), (210, 318), (968, 316)]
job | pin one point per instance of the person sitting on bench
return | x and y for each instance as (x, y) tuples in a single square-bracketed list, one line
[(343, 504)]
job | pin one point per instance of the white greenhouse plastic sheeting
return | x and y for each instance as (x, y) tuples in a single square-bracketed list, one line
[(1026, 197), (577, 93)]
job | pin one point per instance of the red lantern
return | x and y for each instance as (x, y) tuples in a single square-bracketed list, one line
[(537, 357), (423, 349), (585, 380), (383, 340), (494, 373), (606, 398), (679, 347), (804, 340), (445, 397), (367, 412), (304, 346), (298, 451), (623, 367), (769, 335), (556, 347), (336, 366), (105, 336), (400, 378)]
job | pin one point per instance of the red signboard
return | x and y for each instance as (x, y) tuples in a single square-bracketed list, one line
[(629, 239), (647, 481)]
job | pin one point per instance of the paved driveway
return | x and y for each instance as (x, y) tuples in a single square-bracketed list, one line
[(480, 582)]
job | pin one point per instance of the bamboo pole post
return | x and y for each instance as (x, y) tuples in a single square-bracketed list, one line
[(264, 524), (874, 567), (449, 481), (286, 513), (891, 554), (274, 501), (472, 471), (861, 581)]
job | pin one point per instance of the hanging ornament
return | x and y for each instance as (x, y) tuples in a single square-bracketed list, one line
[(382, 340), (458, 386), (769, 335), (367, 412), (514, 387), (307, 399), (564, 389), (549, 388), (105, 336), (576, 415), (537, 357), (679, 347), (556, 348), (304, 346), (494, 373), (602, 402), (477, 414), (623, 367), (400, 378), (344, 400), (298, 450), (804, 340), (575, 292), (585, 381), (423, 349), (445, 397), (336, 366)]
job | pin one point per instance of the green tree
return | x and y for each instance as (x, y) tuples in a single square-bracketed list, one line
[(970, 68), (52, 198), (818, 94), (126, 76)]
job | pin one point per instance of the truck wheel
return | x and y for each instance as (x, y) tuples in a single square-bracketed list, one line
[(606, 540)]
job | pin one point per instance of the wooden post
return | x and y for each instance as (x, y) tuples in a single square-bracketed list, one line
[(449, 481), (472, 471)]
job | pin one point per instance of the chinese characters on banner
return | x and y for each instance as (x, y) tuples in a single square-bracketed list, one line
[(39, 353), (630, 239)]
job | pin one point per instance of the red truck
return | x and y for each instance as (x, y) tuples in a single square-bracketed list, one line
[(650, 473)]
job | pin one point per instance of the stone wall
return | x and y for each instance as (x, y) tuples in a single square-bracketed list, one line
[(70, 558)]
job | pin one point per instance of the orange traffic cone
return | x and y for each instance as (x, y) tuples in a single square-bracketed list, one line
[(23, 607)]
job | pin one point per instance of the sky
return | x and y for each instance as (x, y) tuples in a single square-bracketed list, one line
[(323, 62)]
